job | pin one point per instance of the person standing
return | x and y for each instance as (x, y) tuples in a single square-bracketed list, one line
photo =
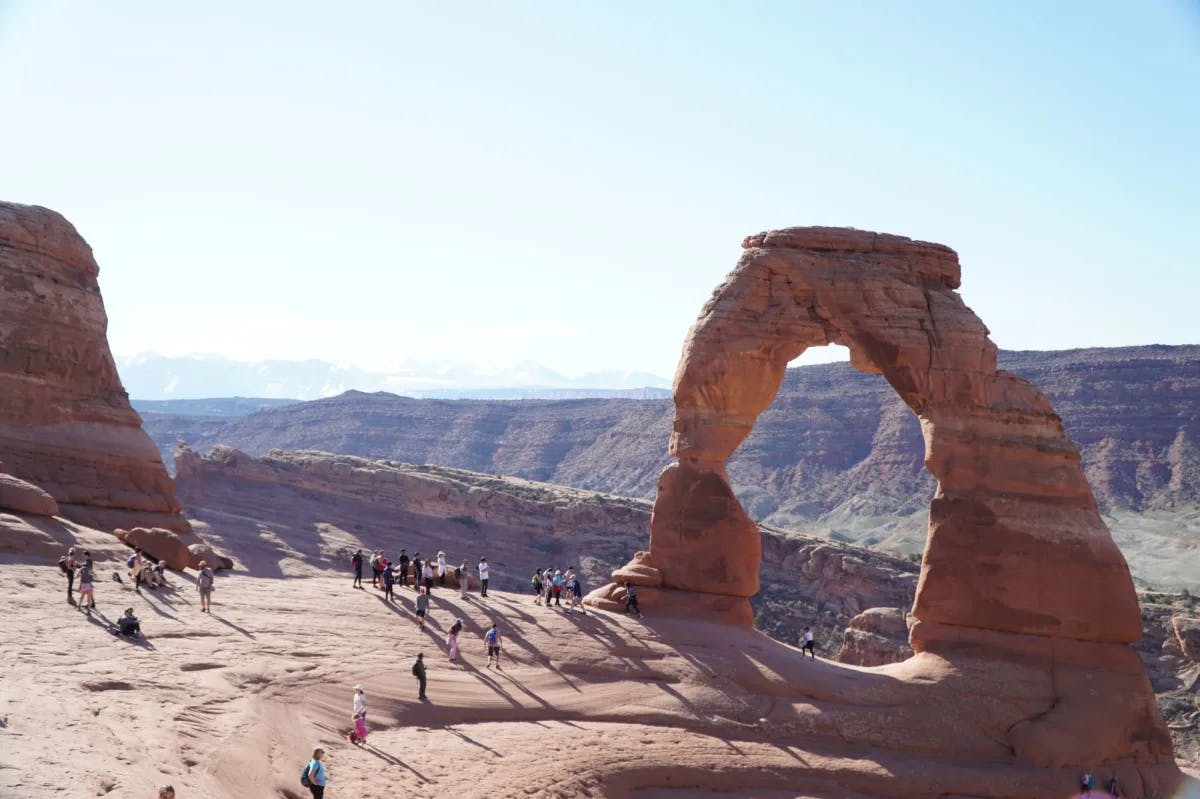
[(441, 568), (460, 572), (422, 608), (536, 582), (577, 594), (356, 560), (418, 574), (389, 580), (427, 572), (204, 585), (809, 644), (418, 671), (491, 640), (375, 570), (318, 777), (360, 701), (631, 602), (558, 582), (87, 600), (452, 639), (484, 574), (68, 564), (403, 574)]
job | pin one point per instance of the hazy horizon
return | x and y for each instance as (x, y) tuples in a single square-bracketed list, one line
[(374, 185)]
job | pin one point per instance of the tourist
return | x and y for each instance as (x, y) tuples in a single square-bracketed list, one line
[(358, 735), (1087, 782), (316, 775), (808, 644), (548, 584), (356, 560), (375, 570), (427, 575), (558, 581), (418, 671), (422, 608), (452, 639), (68, 564), (166, 792), (484, 574), (135, 565), (576, 593), (491, 640), (403, 575), (631, 602), (360, 701), (128, 624), (416, 571), (441, 568), (389, 580), (464, 579), (536, 582), (204, 584), (159, 574), (569, 581), (1112, 787), (87, 599)]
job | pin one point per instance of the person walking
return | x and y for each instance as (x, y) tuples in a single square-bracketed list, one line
[(631, 602), (87, 600), (316, 774), (136, 564), (356, 560), (484, 573), (536, 583), (809, 644), (422, 608), (403, 574), (464, 579), (389, 580), (204, 585), (441, 568), (360, 701), (577, 594), (491, 640), (418, 671), (452, 639), (375, 570), (417, 573)]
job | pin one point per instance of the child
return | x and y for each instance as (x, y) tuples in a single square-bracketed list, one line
[(358, 735)]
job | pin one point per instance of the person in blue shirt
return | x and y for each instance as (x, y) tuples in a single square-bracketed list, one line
[(317, 775)]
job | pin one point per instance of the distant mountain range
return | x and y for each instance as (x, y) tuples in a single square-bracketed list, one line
[(837, 453), (161, 378)]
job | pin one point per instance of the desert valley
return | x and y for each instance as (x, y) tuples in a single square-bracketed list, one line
[(927, 514)]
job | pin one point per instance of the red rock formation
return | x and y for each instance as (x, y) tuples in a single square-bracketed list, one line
[(22, 497), (65, 422), (1020, 575), (875, 637)]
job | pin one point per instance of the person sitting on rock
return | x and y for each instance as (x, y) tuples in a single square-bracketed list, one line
[(128, 624)]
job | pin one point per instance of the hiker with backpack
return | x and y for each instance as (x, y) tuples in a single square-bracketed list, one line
[(315, 777), (491, 640), (204, 585), (87, 600), (452, 639), (67, 564), (418, 671), (356, 560)]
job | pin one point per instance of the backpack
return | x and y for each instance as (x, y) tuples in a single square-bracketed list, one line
[(414, 671), (62, 565), (304, 780), (131, 560)]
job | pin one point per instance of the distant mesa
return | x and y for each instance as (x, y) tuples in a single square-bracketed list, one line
[(66, 426)]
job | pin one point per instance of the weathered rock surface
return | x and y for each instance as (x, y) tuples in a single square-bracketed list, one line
[(875, 637), (65, 422), (1014, 530), (163, 545), (24, 497)]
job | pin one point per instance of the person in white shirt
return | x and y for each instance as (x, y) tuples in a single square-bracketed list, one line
[(484, 574), (360, 701), (809, 644), (463, 580), (441, 568)]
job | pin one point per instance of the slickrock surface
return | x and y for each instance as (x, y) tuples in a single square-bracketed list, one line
[(65, 422), (1014, 532), (21, 497)]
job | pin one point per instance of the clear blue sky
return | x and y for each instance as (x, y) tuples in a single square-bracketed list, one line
[(567, 182)]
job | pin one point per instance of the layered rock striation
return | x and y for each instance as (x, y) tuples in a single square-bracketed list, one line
[(66, 424), (1023, 595)]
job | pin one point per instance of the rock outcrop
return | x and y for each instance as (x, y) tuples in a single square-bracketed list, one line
[(24, 497), (875, 637), (65, 422), (1014, 531)]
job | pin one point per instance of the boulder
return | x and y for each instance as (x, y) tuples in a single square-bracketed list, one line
[(204, 552), (24, 497), (875, 637), (1187, 634), (162, 545)]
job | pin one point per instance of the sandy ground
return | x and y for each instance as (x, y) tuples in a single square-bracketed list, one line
[(231, 704)]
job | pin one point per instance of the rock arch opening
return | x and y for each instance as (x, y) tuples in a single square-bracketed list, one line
[(1014, 532)]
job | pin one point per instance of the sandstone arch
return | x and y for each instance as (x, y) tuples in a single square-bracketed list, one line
[(1015, 543)]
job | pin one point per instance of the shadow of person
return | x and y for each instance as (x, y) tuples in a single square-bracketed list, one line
[(228, 623)]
